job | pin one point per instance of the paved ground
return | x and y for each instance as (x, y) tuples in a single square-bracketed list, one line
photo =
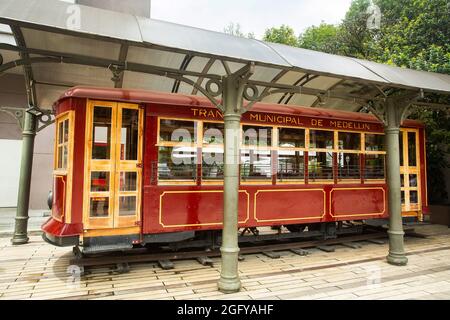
[(7, 215), (40, 271)]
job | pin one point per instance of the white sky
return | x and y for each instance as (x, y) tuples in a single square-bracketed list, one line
[(253, 15)]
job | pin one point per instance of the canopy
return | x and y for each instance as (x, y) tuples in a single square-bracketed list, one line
[(110, 49)]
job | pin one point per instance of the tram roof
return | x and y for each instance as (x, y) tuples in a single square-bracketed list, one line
[(63, 52)]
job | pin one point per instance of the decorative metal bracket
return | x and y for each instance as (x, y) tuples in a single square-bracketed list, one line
[(44, 118), (16, 113), (401, 104)]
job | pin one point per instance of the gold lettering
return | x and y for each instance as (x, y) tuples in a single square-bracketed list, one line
[(320, 123), (195, 111)]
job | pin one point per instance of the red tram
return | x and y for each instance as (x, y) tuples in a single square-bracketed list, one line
[(135, 168)]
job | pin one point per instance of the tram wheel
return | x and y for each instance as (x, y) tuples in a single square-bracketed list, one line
[(296, 227)]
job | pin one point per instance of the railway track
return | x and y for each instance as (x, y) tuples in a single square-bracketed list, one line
[(165, 259)]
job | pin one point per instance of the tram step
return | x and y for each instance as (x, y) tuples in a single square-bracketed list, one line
[(166, 264), (271, 254)]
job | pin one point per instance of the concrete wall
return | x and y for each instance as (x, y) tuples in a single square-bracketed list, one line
[(136, 7), (12, 94)]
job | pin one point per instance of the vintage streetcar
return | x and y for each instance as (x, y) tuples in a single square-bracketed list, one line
[(137, 168)]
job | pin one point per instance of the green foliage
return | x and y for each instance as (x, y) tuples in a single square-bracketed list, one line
[(320, 38), (413, 34), (283, 34)]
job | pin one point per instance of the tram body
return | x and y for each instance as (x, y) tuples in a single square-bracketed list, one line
[(135, 167)]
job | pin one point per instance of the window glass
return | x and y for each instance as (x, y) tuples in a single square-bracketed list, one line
[(128, 181), (100, 181), (400, 147), (60, 158), (213, 133), (402, 180), (101, 136), (177, 163), (412, 156), (348, 166), (349, 141), (291, 138), (256, 164), (61, 133), (257, 136), (403, 197), (375, 142), (320, 166), (319, 139), (177, 131), (413, 180), (99, 207), (127, 206), (413, 197), (212, 167), (66, 131), (129, 134), (374, 166), (291, 165)]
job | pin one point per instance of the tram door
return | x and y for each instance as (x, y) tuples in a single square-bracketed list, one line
[(113, 173), (410, 172)]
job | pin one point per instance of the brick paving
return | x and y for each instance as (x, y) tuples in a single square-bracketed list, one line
[(40, 271)]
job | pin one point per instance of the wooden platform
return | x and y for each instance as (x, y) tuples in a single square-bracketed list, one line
[(41, 271)]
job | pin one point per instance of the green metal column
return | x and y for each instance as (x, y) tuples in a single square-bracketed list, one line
[(393, 115), (21, 226), (229, 278)]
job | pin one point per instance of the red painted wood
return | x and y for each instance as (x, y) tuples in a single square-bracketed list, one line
[(355, 204), (193, 208), (59, 197)]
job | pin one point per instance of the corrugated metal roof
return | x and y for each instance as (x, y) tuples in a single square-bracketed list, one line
[(52, 25)]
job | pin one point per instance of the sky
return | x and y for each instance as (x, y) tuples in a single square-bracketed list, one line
[(253, 15)]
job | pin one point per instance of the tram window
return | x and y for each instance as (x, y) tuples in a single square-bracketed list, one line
[(62, 144), (403, 197), (413, 180), (291, 165), (100, 182), (349, 141), (213, 133), (402, 180), (128, 181), (177, 163), (256, 164), (349, 166), (320, 166), (129, 134), (375, 142), (101, 139), (99, 207), (413, 197), (374, 166), (412, 157), (400, 148), (257, 136), (127, 206), (212, 165), (291, 138), (177, 131), (319, 139)]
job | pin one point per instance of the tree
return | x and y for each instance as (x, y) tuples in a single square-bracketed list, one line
[(283, 35), (320, 38), (235, 30)]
